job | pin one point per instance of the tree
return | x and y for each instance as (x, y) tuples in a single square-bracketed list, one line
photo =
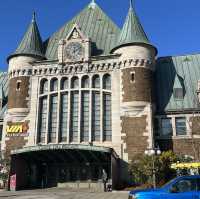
[(141, 168)]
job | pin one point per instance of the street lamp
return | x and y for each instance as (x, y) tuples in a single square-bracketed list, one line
[(153, 152)]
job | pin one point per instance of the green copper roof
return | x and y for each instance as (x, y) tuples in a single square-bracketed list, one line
[(132, 31), (31, 43), (177, 72), (95, 24)]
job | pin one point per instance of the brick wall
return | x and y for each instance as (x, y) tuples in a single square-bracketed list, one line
[(139, 90), (14, 143), (195, 127), (181, 146), (18, 99), (134, 129)]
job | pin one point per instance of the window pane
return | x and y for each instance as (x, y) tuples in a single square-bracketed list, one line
[(44, 86), (74, 116), (54, 85), (96, 116), (64, 117), (107, 120), (107, 82), (53, 118), (85, 116), (85, 82), (75, 82), (64, 84), (42, 119), (178, 93), (181, 126), (166, 127), (96, 82), (1, 131)]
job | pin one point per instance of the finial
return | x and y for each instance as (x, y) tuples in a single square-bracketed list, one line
[(34, 17), (92, 4), (131, 4)]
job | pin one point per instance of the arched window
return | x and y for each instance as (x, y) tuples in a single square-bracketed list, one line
[(75, 82), (54, 85), (107, 82), (96, 81), (64, 83), (44, 86), (85, 82)]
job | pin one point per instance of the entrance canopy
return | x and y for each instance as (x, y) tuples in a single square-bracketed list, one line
[(65, 153)]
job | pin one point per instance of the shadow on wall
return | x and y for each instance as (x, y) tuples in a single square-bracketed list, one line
[(164, 82)]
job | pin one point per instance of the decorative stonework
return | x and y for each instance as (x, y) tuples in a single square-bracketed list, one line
[(97, 66)]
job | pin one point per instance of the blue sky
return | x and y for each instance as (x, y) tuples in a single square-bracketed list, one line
[(173, 26)]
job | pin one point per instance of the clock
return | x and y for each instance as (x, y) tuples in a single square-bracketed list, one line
[(74, 51)]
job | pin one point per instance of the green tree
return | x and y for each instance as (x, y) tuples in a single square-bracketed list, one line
[(141, 168)]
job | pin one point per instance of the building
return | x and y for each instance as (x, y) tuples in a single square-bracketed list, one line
[(84, 102)]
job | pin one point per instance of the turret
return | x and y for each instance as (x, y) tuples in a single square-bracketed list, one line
[(137, 71), (29, 50)]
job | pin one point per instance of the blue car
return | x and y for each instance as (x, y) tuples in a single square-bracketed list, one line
[(184, 187)]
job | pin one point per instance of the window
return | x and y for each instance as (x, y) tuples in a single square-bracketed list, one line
[(1, 131), (132, 77), (181, 126), (107, 82), (178, 93), (166, 127), (107, 122), (18, 85), (53, 118), (96, 116), (85, 82), (75, 82), (185, 185), (85, 116), (96, 81), (74, 116), (42, 119), (44, 86), (64, 84), (54, 85), (64, 117)]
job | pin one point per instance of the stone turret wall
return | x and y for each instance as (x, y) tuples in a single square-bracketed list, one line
[(139, 89), (18, 97)]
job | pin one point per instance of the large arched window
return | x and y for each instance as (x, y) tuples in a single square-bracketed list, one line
[(64, 83), (54, 84), (74, 82), (107, 82), (44, 86), (75, 110), (96, 81), (85, 82)]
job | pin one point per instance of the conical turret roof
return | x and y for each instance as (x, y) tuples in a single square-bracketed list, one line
[(31, 43), (132, 31)]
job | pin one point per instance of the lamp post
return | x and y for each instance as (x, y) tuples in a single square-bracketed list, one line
[(153, 152)]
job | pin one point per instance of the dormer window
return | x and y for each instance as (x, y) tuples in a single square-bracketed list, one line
[(178, 93)]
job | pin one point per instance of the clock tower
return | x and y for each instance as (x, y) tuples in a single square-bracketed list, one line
[(75, 48)]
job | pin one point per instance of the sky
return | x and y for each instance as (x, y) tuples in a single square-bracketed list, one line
[(173, 26)]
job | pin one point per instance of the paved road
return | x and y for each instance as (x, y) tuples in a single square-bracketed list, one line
[(61, 194)]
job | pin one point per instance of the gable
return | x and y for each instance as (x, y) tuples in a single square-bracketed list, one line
[(94, 24)]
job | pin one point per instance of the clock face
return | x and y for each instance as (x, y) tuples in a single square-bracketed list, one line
[(74, 51)]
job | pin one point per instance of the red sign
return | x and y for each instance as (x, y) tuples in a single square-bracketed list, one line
[(13, 179)]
